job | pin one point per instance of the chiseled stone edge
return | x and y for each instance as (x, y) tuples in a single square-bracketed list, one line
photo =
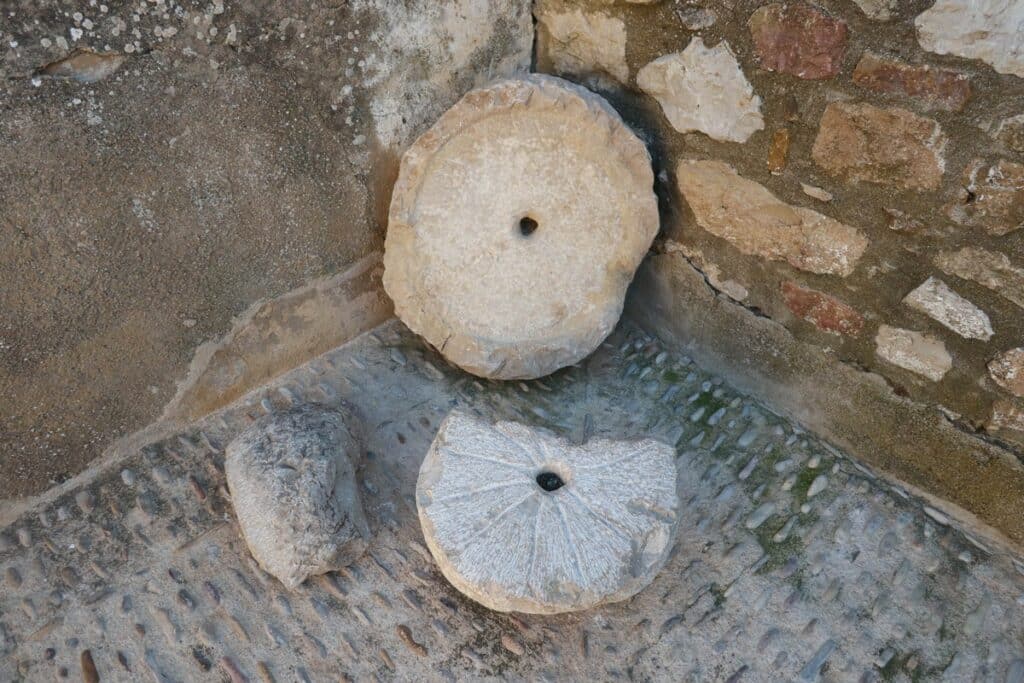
[(971, 479), (478, 104)]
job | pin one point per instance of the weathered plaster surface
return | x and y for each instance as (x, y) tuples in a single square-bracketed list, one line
[(273, 336), (165, 166)]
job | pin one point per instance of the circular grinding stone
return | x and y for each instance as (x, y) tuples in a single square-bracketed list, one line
[(516, 224), (519, 520)]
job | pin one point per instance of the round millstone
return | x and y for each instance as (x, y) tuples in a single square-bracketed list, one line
[(292, 477), (516, 224), (519, 520)]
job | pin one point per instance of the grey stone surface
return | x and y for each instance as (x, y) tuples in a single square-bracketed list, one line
[(292, 479), (516, 224), (140, 561), (522, 521)]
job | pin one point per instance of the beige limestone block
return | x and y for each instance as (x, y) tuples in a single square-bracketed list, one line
[(990, 269), (586, 44), (704, 89), (756, 222), (516, 225), (919, 353), (1007, 370), (937, 300), (989, 30), (1006, 415), (519, 520), (992, 197)]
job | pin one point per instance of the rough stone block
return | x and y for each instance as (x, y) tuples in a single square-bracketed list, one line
[(1007, 370), (586, 44), (756, 222), (920, 353), (704, 89), (1007, 415), (935, 299), (520, 520), (988, 268), (822, 310), (893, 147), (989, 30), (992, 198), (292, 477), (933, 87)]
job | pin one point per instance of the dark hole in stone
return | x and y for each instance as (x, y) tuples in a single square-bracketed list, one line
[(527, 225), (549, 481)]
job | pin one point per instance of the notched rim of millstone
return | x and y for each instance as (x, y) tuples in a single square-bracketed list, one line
[(538, 92)]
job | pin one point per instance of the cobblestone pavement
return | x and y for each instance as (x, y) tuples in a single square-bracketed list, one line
[(792, 562)]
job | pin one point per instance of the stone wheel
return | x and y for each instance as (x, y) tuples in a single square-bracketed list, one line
[(519, 520), (516, 224)]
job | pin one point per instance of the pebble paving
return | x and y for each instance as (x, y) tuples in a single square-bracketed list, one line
[(793, 563)]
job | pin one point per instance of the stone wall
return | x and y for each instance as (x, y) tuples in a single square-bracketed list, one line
[(842, 192), (193, 196)]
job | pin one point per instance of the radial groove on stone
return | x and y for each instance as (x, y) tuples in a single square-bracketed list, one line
[(511, 544), (516, 224)]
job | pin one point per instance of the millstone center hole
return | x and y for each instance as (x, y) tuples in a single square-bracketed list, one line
[(549, 481), (527, 225)]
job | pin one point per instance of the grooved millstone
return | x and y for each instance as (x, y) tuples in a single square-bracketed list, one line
[(511, 545), (516, 224)]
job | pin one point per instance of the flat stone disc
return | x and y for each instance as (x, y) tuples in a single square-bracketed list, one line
[(516, 224), (519, 520)]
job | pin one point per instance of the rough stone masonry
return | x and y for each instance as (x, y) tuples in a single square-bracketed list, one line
[(850, 175)]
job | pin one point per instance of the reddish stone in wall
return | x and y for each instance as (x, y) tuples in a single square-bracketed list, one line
[(798, 39), (934, 88), (889, 146), (825, 312)]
